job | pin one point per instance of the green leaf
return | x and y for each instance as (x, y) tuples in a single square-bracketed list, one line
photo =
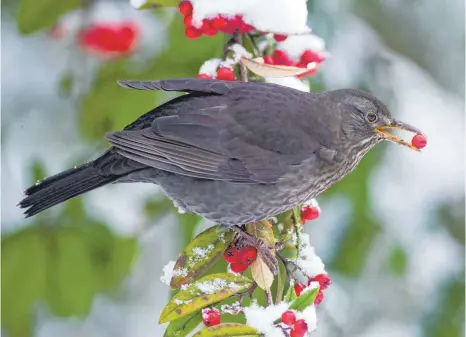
[(304, 300), (150, 4), (290, 294), (35, 15), (228, 330), (398, 261), (201, 253), (121, 259), (24, 278), (203, 292), (183, 326), (72, 280)]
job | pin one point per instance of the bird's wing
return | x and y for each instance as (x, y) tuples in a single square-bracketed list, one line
[(183, 85), (250, 136)]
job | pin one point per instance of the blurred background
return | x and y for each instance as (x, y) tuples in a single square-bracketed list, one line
[(391, 234)]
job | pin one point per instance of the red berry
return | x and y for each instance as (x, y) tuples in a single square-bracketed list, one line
[(281, 57), (237, 22), (280, 37), (288, 317), (185, 8), (247, 255), (319, 298), (231, 254), (237, 267), (219, 22), (210, 317), (226, 74), (419, 141), (310, 56), (300, 327), (207, 28), (192, 32), (310, 213), (188, 21), (268, 59), (294, 333), (324, 281), (247, 28), (298, 288), (207, 76)]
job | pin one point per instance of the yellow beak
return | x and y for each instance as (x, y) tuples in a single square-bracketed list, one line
[(397, 125)]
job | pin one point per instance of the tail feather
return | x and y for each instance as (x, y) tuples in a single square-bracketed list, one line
[(63, 186)]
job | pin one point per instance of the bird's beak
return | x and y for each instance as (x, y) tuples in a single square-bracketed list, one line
[(397, 125)]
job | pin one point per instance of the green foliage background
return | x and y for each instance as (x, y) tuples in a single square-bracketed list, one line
[(64, 260)]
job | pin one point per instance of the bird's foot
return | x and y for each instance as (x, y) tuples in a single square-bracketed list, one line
[(267, 253)]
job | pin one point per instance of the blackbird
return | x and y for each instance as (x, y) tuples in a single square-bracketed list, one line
[(233, 152)]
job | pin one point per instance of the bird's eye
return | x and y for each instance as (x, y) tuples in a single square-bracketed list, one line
[(372, 117)]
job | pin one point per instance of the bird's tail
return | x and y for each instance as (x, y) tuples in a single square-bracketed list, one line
[(63, 186)]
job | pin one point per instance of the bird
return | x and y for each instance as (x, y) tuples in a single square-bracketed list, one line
[(233, 152)]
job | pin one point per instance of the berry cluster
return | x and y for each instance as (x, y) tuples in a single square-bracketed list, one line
[(310, 212), (324, 281), (223, 73), (281, 57), (109, 39), (240, 257), (298, 327), (213, 25), (210, 317), (419, 141)]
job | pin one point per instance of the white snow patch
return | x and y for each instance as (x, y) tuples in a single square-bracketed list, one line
[(262, 319), (209, 67), (291, 82), (138, 3), (228, 63), (239, 52), (180, 272), (278, 16), (295, 45), (310, 316), (307, 258), (232, 309), (168, 272), (311, 202), (211, 287), (201, 253)]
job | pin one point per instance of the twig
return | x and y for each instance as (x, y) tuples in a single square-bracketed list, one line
[(243, 71), (269, 297)]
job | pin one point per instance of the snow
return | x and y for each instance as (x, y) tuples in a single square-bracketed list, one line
[(209, 67), (200, 254), (310, 316), (311, 202), (211, 287), (232, 309), (291, 82), (138, 3), (262, 319), (168, 272), (295, 45), (265, 15), (307, 259), (239, 52)]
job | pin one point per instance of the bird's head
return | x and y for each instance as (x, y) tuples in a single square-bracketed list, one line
[(364, 117)]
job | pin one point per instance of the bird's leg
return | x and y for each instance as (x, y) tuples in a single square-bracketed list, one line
[(266, 252), (247, 292)]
